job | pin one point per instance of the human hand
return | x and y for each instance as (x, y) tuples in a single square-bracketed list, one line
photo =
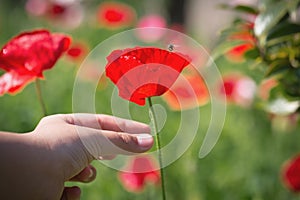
[(61, 148)]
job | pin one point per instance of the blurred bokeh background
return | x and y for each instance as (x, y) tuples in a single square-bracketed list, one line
[(256, 141)]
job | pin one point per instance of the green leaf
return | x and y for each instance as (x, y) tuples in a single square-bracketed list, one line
[(276, 67), (235, 27), (266, 3), (246, 9), (276, 92), (288, 52), (293, 6), (283, 29), (271, 16), (291, 82), (291, 39), (252, 54), (240, 8), (225, 47), (278, 52)]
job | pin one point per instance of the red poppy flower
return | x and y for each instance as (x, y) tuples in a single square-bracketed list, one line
[(141, 170), (57, 9), (291, 174), (91, 73), (113, 15), (66, 14), (236, 54), (187, 92), (151, 28), (143, 72), (26, 56), (265, 88), (239, 89), (77, 51)]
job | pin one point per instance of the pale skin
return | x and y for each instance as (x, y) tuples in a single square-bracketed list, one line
[(37, 164)]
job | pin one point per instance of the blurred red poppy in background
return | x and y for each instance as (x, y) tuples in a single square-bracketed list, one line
[(239, 89), (139, 172), (90, 72), (143, 72), (26, 56), (236, 54), (114, 15), (77, 51), (291, 174), (64, 13), (151, 28), (265, 88), (187, 92)]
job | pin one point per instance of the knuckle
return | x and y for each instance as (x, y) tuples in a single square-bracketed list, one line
[(52, 117), (128, 142), (125, 138)]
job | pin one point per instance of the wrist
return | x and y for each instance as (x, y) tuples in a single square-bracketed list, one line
[(26, 165)]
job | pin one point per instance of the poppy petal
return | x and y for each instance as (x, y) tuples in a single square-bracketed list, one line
[(27, 55), (33, 52), (291, 174), (12, 82), (113, 15), (187, 92), (236, 54), (238, 89), (144, 72), (140, 170)]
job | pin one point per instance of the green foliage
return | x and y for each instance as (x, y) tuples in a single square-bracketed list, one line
[(277, 40), (275, 55), (268, 18)]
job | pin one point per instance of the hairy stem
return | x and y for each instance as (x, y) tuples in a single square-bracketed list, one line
[(158, 146), (40, 97)]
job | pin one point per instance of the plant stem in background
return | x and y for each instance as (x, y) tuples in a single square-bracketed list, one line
[(158, 146), (40, 97)]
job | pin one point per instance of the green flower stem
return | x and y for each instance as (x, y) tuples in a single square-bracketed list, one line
[(40, 97), (158, 146)]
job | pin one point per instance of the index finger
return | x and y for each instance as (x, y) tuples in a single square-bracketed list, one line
[(106, 122)]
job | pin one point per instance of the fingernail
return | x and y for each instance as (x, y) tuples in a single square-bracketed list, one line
[(91, 173), (144, 140)]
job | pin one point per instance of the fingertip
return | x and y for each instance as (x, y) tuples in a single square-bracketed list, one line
[(72, 193), (126, 143), (91, 175), (144, 140), (88, 174)]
